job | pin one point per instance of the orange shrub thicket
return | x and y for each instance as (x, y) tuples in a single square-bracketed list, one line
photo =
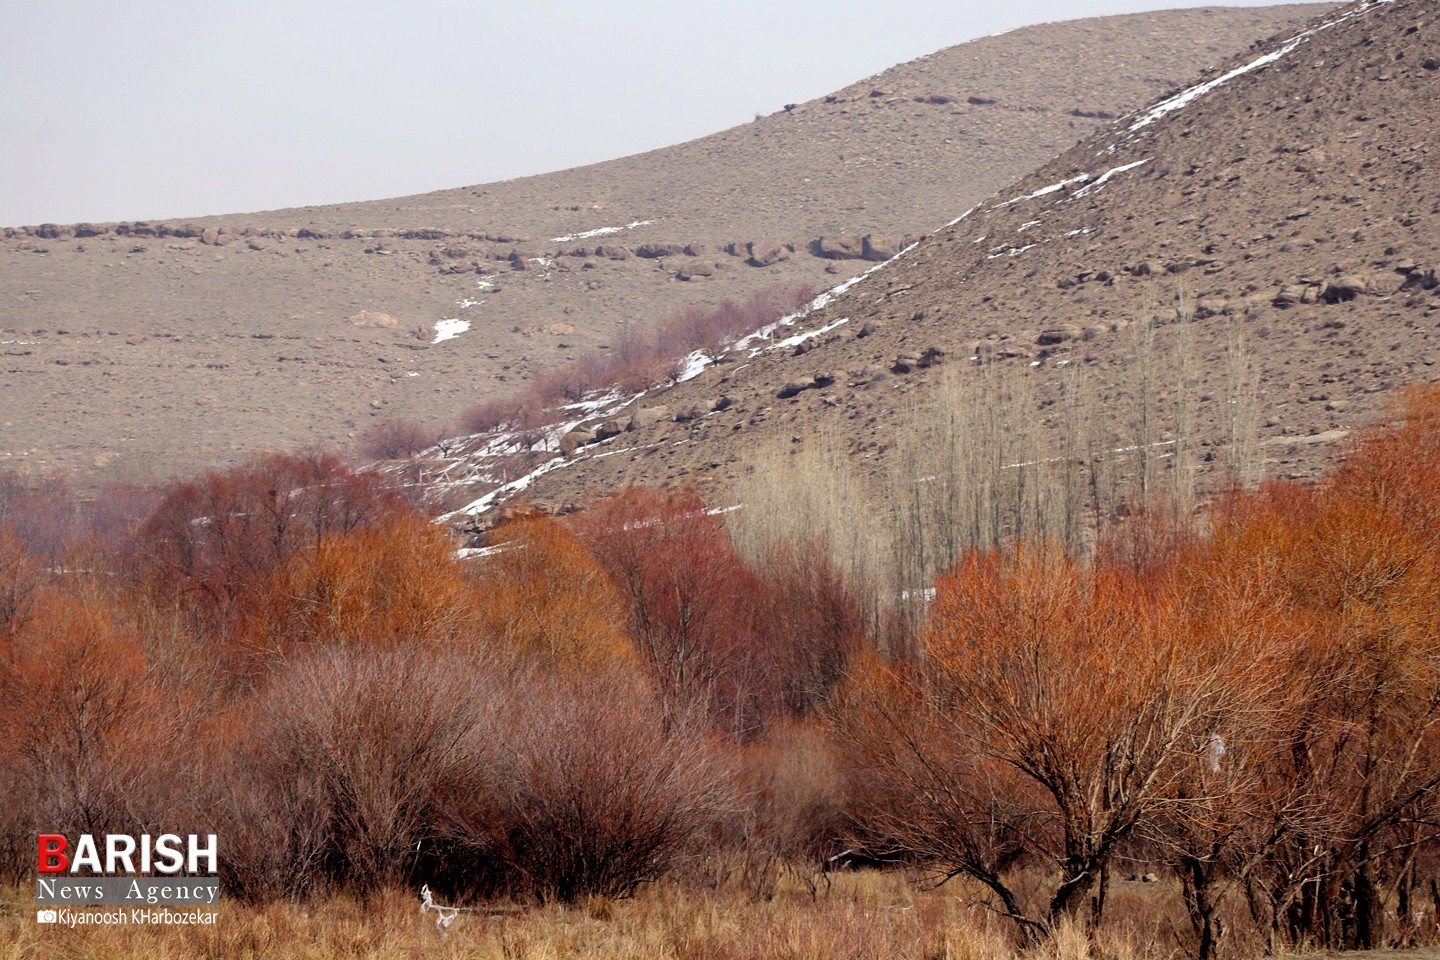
[(543, 595), (392, 583)]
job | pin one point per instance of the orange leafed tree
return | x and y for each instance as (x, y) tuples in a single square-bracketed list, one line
[(79, 718), (1050, 711), (397, 582), (543, 594)]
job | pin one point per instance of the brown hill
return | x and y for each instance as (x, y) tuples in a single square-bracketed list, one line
[(1289, 198), (175, 345)]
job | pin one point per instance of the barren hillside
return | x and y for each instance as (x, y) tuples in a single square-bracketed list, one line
[(1288, 195), (169, 346)]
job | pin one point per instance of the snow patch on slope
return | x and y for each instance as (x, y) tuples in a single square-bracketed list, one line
[(600, 231), (1185, 97), (449, 329)]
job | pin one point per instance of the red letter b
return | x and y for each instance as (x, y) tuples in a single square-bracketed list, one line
[(52, 853)]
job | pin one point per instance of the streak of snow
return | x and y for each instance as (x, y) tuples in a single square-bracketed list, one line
[(465, 303), (959, 218), (1084, 181), (1010, 251), (1185, 97), (800, 338), (1044, 191), (693, 365), (1027, 225), (449, 329), (600, 231), (1105, 177), (514, 486)]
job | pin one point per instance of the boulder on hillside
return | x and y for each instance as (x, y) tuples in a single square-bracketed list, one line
[(1345, 288), (1061, 334), (1207, 307), (794, 388), (878, 248), (1292, 293), (698, 268), (373, 320), (649, 416), (574, 440), (654, 251), (612, 251), (767, 252), (842, 246), (608, 429)]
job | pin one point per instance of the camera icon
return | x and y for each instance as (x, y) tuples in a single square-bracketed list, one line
[(46, 916)]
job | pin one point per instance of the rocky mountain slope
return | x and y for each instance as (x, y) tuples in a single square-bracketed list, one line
[(169, 346), (1286, 201)]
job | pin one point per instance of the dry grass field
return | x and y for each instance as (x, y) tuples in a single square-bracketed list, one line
[(862, 915)]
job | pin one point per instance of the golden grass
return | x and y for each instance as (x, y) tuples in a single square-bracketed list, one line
[(863, 916)]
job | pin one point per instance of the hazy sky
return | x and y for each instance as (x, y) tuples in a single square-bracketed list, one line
[(141, 109)]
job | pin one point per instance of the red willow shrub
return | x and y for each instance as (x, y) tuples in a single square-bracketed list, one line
[(212, 542), (749, 645)]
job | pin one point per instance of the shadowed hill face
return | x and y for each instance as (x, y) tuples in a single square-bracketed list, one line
[(171, 346), (1289, 197)]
